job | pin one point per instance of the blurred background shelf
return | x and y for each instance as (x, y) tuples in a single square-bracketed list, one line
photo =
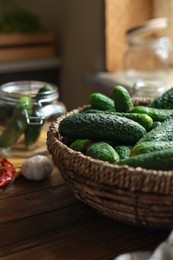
[(34, 69), (26, 46), (27, 65)]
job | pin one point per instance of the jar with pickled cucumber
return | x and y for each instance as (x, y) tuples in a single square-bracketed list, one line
[(27, 108)]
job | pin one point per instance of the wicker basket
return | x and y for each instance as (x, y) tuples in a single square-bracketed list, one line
[(137, 197)]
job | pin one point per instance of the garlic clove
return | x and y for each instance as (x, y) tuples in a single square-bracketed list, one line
[(37, 168)]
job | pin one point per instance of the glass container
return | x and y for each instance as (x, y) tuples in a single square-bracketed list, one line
[(148, 59), (148, 55), (148, 88), (46, 106)]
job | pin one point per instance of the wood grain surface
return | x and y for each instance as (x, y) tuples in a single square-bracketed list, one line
[(44, 221)]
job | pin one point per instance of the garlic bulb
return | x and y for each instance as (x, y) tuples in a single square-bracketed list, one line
[(37, 168)]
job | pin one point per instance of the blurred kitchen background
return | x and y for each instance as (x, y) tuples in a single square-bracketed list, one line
[(87, 47)]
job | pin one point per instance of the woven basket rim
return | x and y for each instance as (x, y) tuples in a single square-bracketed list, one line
[(124, 177)]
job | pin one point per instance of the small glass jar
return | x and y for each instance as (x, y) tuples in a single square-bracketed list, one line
[(46, 106)]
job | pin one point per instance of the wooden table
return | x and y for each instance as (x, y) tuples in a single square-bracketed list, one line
[(44, 221)]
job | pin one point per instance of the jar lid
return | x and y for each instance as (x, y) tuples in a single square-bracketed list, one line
[(135, 34)]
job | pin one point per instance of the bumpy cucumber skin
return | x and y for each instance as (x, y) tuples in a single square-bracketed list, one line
[(157, 160), (101, 126), (146, 147), (155, 124), (101, 102), (102, 151), (122, 99), (143, 119), (155, 113), (165, 101), (163, 132), (123, 151)]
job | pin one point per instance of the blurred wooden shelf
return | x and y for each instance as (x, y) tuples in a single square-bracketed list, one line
[(14, 47), (17, 39), (27, 65)]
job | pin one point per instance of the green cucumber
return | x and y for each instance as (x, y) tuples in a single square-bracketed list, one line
[(80, 145), (94, 111), (122, 99), (101, 102), (143, 119), (163, 132), (146, 147), (102, 126), (18, 123), (123, 151), (33, 131), (157, 114), (165, 101), (45, 90), (102, 151), (156, 160), (155, 124)]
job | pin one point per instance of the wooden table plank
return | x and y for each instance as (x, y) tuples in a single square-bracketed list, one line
[(31, 229), (36, 199), (43, 220), (95, 238)]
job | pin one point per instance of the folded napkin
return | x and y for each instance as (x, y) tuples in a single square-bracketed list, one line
[(164, 251)]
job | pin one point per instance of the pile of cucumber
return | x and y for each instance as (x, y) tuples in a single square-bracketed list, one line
[(119, 132)]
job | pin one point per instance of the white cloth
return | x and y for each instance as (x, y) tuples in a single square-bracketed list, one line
[(164, 251)]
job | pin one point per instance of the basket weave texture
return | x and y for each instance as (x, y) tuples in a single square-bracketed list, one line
[(137, 197)]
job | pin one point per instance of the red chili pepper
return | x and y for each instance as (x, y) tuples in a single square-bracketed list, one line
[(7, 172)]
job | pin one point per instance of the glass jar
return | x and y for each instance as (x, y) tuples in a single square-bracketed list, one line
[(45, 108), (148, 55), (164, 8), (148, 59), (148, 88)]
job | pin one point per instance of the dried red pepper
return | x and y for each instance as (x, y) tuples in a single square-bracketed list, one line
[(7, 172)]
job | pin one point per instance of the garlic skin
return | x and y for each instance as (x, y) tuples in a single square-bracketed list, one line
[(37, 168)]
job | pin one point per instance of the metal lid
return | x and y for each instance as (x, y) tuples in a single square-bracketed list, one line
[(135, 34)]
